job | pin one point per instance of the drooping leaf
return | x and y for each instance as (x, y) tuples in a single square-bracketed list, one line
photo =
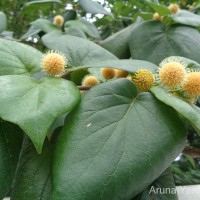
[(33, 176), (11, 137), (162, 10), (44, 25), (78, 51), (188, 110), (38, 4), (3, 22), (187, 18), (152, 41), (93, 7), (33, 30), (75, 32), (34, 105), (17, 58), (115, 144), (85, 26)]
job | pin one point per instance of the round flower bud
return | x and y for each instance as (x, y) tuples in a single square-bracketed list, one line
[(90, 81), (54, 63), (173, 8), (121, 73), (172, 73), (58, 20), (191, 84), (143, 80), (108, 73), (156, 16)]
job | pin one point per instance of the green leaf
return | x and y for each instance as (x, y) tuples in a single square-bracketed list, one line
[(33, 30), (157, 190), (153, 42), (162, 10), (187, 18), (38, 4), (45, 25), (118, 43), (11, 138), (17, 58), (189, 111), (115, 144), (34, 105), (75, 32), (85, 26), (78, 51), (33, 176), (93, 7), (3, 22)]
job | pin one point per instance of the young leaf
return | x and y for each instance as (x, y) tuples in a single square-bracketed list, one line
[(189, 111), (33, 177), (11, 138), (34, 105), (153, 42), (115, 144), (17, 58)]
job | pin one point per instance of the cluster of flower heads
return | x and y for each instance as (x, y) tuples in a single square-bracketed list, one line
[(174, 75)]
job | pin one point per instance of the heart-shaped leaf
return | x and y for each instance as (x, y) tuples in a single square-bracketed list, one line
[(18, 58), (115, 144), (11, 137), (34, 105), (152, 41), (188, 110), (78, 51), (33, 176)]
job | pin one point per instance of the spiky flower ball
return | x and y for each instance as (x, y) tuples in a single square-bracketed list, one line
[(58, 20), (121, 73), (191, 84), (143, 79), (90, 81), (172, 73), (108, 73), (53, 62), (173, 8), (156, 16)]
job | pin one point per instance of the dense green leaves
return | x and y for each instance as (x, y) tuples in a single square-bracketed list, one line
[(115, 144), (3, 22), (11, 138), (78, 51), (17, 58), (153, 42), (189, 111), (34, 105), (93, 7), (33, 176)]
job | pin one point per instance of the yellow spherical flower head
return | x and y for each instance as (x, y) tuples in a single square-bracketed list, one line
[(58, 20), (172, 73), (121, 73), (173, 8), (54, 62), (90, 81), (156, 16), (143, 79), (108, 73), (191, 85)]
